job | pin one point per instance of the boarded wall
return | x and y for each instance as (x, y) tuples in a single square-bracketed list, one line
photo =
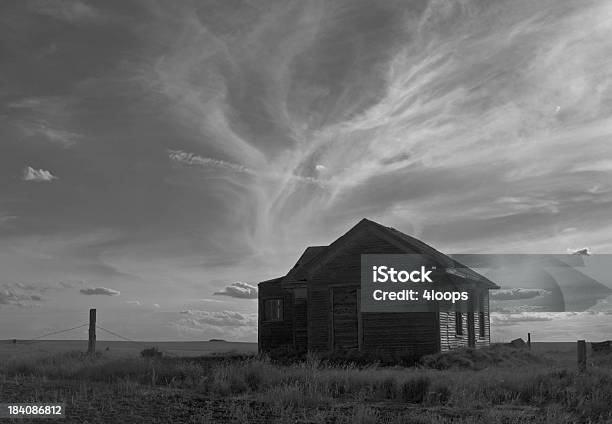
[(449, 339), (275, 334), (300, 320), (342, 271), (412, 333)]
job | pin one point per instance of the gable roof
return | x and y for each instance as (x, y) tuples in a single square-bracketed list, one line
[(309, 254), (322, 254)]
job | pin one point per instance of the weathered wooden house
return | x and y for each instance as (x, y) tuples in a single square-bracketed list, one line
[(316, 306)]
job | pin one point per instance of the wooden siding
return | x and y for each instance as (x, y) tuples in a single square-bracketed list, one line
[(318, 327), (300, 322), (275, 334), (344, 328), (343, 270), (448, 337), (484, 307), (410, 333)]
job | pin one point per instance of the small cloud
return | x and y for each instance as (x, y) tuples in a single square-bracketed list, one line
[(10, 296), (99, 291), (513, 319), (596, 189), (516, 294), (33, 291), (581, 252), (31, 174), (7, 218), (228, 325), (598, 166), (30, 287), (240, 290), (221, 319)]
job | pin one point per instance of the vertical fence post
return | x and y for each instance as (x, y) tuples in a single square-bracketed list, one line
[(529, 340), (91, 348), (581, 355)]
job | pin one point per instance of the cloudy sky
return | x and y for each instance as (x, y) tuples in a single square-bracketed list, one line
[(159, 158)]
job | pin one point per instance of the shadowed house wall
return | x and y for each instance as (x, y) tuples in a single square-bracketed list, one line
[(322, 311)]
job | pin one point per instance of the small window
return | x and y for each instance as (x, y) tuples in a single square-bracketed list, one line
[(299, 293), (458, 323), (481, 323), (273, 310)]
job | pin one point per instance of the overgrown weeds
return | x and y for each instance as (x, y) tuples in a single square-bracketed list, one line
[(451, 380)]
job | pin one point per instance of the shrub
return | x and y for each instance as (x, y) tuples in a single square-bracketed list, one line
[(387, 388), (295, 396), (253, 379), (440, 394), (415, 390), (477, 359), (285, 355), (151, 352), (364, 415), (237, 385)]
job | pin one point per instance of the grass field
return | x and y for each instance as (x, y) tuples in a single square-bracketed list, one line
[(122, 349), (494, 385)]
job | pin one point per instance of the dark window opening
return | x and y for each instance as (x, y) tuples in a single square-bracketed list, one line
[(273, 310), (481, 324), (458, 323), (299, 293)]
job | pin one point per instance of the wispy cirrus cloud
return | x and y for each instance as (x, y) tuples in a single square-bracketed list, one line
[(185, 158), (73, 11), (516, 294), (396, 134), (50, 118), (92, 291), (59, 136)]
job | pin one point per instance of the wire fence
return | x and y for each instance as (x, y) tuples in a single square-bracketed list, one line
[(113, 333), (146, 346), (59, 332)]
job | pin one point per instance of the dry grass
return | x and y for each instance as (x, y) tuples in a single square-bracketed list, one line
[(491, 385)]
